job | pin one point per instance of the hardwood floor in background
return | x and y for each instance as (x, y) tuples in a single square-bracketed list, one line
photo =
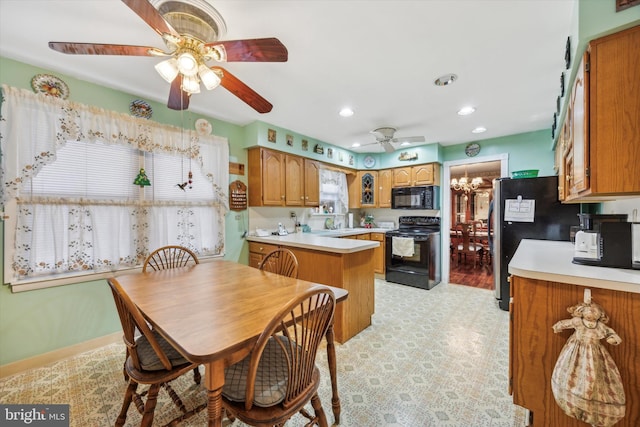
[(465, 274)]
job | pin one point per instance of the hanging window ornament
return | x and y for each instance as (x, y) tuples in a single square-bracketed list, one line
[(190, 179), (142, 179)]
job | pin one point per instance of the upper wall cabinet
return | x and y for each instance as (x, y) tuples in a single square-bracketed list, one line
[(409, 176), (601, 146), (279, 179)]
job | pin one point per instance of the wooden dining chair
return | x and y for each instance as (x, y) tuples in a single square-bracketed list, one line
[(279, 377), (151, 360), (281, 261), (171, 256), (164, 258), (467, 246)]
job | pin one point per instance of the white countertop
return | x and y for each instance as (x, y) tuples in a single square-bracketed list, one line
[(322, 242), (550, 260)]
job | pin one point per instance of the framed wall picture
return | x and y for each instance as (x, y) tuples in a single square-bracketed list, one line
[(567, 53), (624, 4), (271, 135), (562, 84), (305, 145), (290, 140), (330, 153)]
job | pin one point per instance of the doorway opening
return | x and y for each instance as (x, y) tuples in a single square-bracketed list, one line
[(468, 207)]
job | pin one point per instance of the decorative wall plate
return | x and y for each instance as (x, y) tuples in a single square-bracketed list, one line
[(369, 161), (203, 127), (472, 149), (50, 85), (140, 108)]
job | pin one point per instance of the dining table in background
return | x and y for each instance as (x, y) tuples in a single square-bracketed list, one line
[(213, 313)]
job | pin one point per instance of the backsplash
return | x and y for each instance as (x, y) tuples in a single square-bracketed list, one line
[(268, 217), (630, 207)]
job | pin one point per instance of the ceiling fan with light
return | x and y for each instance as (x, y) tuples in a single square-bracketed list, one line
[(191, 30), (385, 137)]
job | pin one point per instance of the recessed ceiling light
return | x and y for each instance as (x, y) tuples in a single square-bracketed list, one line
[(445, 80), (405, 143), (346, 112), (479, 129), (355, 145), (465, 111)]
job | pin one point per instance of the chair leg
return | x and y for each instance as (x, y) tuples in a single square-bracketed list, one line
[(196, 375), (150, 406), (128, 398), (317, 407)]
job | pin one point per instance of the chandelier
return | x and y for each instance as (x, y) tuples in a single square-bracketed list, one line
[(463, 184)]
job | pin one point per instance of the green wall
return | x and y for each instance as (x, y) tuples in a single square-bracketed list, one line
[(36, 322)]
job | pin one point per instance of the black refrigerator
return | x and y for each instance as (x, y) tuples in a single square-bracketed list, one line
[(513, 212)]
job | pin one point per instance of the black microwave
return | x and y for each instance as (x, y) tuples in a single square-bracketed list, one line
[(425, 197)]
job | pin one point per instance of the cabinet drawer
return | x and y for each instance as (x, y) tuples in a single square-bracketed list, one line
[(261, 248), (379, 237)]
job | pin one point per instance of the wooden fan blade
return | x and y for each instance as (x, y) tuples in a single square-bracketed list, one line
[(253, 50), (409, 139), (178, 99), (102, 49), (151, 16), (242, 91)]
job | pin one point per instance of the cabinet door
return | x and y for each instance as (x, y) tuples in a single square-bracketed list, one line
[(580, 132), (402, 177), (311, 183), (385, 178), (294, 180), (368, 196), (423, 174), (273, 189), (378, 253)]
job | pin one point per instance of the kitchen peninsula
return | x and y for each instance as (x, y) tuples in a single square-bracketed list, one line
[(544, 283), (343, 263)]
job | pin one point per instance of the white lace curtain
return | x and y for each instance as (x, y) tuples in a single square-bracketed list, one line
[(33, 127), (333, 187)]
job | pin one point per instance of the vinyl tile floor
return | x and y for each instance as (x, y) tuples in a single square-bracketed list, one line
[(430, 358)]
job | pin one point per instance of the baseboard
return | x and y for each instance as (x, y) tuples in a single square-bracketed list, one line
[(57, 355)]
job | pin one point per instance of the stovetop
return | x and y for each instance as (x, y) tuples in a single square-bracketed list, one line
[(417, 224)]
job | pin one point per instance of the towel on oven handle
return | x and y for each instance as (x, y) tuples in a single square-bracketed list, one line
[(402, 246)]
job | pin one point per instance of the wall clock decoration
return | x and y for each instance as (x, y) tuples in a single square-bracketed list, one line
[(369, 162), (50, 85), (140, 108), (472, 149)]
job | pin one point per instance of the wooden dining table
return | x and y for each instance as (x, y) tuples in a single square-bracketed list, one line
[(213, 313)]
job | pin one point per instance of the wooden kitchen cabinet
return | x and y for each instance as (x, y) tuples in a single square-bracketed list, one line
[(311, 182), (536, 305), (257, 252), (379, 252), (385, 182), (602, 159), (409, 176), (279, 179), (294, 180)]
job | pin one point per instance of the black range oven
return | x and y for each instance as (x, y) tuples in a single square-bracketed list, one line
[(413, 252)]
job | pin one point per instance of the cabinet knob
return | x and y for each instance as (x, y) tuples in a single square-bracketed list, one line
[(282, 197)]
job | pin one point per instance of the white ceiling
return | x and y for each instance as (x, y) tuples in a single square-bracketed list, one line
[(380, 57)]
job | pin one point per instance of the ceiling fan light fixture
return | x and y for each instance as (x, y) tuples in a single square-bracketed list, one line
[(210, 80), (191, 84), (187, 64), (168, 69)]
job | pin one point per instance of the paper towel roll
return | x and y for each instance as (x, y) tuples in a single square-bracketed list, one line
[(350, 220)]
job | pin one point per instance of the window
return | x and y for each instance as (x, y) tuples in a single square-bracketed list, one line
[(73, 206)]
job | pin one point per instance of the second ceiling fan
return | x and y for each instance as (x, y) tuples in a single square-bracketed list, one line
[(385, 137), (190, 29)]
